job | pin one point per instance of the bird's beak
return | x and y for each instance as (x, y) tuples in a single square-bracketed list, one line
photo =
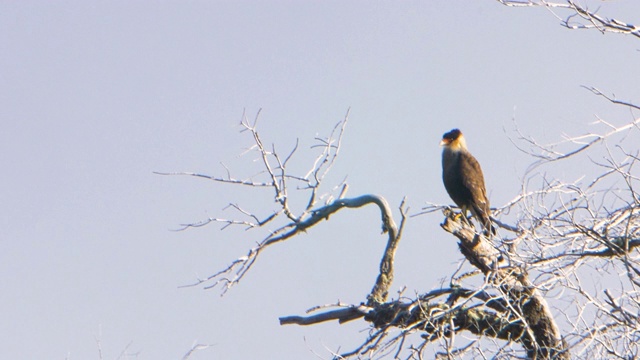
[(444, 142)]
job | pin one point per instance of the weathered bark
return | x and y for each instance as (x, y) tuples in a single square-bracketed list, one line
[(541, 336)]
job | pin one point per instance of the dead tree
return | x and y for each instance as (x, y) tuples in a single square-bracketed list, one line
[(561, 281), (556, 234)]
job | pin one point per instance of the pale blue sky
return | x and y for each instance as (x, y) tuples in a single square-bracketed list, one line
[(97, 95)]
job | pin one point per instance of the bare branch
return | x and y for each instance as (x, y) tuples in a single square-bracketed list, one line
[(195, 347), (615, 101), (229, 180), (342, 315), (579, 17)]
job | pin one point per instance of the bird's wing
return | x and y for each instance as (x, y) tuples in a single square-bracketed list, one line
[(473, 180)]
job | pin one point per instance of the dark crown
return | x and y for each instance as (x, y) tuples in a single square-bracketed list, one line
[(452, 135)]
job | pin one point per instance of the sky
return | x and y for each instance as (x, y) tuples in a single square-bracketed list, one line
[(97, 96)]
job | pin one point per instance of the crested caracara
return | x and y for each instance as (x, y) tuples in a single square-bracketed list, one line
[(463, 179)]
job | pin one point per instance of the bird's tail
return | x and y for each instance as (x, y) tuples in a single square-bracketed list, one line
[(484, 217)]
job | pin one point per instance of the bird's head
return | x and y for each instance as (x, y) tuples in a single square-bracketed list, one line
[(453, 140)]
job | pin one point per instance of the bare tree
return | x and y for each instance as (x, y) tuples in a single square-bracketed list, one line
[(534, 292), (560, 233)]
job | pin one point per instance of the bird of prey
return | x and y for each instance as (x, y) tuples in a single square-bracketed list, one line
[(463, 179)]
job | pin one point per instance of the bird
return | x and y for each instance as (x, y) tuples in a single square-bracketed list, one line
[(463, 179)]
